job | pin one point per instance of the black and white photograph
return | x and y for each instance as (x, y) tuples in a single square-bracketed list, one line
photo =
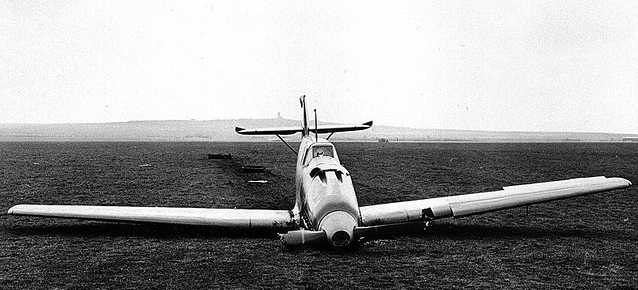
[(318, 144)]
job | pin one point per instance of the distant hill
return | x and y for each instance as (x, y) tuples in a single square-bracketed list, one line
[(224, 130)]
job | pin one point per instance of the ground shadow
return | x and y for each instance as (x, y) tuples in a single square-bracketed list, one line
[(158, 231), (444, 231), (477, 231)]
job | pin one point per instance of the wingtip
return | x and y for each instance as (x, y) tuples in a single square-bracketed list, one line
[(239, 129), (369, 123), (623, 181), (12, 210), (627, 181)]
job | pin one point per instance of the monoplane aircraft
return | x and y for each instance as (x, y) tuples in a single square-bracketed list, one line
[(326, 208)]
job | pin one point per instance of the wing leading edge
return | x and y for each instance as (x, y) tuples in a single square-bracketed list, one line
[(478, 203), (322, 129), (228, 218)]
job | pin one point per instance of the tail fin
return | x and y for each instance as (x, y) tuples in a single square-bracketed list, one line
[(305, 131)]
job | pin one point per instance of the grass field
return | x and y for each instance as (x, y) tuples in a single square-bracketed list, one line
[(586, 242)]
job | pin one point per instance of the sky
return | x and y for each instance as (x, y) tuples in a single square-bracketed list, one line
[(473, 65)]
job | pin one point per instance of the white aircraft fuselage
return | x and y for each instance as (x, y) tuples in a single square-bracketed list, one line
[(326, 199)]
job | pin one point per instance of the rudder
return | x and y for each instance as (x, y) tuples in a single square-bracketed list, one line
[(306, 130)]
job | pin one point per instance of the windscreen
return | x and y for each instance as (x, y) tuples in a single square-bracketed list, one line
[(318, 151)]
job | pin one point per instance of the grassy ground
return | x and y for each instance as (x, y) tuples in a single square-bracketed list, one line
[(584, 242)]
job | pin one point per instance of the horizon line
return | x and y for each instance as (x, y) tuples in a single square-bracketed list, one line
[(281, 118)]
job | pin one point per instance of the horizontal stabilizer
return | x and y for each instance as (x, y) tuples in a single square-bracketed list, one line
[(228, 218), (292, 130)]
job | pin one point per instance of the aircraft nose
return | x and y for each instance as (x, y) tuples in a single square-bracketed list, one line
[(339, 228), (340, 238)]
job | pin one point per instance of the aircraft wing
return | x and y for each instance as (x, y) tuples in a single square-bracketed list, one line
[(228, 218), (292, 130), (478, 203)]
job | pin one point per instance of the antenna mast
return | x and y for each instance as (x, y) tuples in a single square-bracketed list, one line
[(316, 128)]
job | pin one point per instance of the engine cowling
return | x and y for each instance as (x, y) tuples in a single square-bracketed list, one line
[(339, 228)]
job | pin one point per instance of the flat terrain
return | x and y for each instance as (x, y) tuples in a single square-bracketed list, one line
[(224, 130), (586, 242)]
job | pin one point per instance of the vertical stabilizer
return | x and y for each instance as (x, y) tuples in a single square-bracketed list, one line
[(305, 131)]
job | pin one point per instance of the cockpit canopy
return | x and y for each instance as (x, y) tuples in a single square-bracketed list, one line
[(320, 150)]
